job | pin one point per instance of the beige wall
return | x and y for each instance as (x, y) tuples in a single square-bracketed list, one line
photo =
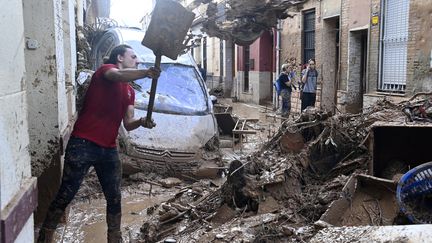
[(358, 13), (351, 18), (213, 59), (419, 73), (15, 166), (258, 90), (331, 8)]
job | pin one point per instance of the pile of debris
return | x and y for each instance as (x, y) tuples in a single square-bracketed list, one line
[(284, 191), (243, 21)]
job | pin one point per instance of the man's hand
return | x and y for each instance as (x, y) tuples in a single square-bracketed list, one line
[(147, 124), (153, 72)]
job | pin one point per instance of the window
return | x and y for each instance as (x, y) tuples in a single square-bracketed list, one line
[(246, 59), (394, 45), (309, 35)]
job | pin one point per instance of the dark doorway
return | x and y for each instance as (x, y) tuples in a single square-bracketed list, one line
[(357, 70), (330, 63), (246, 58)]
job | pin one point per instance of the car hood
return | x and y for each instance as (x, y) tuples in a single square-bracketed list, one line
[(173, 132)]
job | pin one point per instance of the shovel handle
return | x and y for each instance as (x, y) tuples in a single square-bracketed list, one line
[(153, 89)]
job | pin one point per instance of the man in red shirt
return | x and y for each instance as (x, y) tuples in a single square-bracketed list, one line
[(109, 100)]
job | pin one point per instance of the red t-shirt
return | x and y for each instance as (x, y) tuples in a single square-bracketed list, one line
[(104, 107)]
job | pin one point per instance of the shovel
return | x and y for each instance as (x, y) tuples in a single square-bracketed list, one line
[(165, 36)]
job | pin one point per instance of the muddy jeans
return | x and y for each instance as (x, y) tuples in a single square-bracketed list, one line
[(80, 155), (286, 102)]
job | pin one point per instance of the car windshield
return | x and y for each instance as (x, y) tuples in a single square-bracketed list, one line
[(178, 91)]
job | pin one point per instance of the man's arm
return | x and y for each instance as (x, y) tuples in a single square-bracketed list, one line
[(304, 77), (130, 122), (130, 74)]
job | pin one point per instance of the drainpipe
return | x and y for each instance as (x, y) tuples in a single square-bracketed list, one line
[(278, 49)]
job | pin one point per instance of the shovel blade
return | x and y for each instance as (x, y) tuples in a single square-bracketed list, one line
[(168, 27)]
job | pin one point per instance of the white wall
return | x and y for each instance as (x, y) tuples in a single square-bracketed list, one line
[(228, 68), (14, 137), (45, 81), (70, 57), (60, 64), (259, 87), (213, 57)]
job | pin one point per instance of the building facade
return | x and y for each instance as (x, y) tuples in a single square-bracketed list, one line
[(400, 51), (255, 70), (215, 55), (365, 50), (37, 93), (16, 181)]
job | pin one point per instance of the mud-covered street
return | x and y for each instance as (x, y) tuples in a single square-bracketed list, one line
[(276, 188), (202, 121), (141, 192)]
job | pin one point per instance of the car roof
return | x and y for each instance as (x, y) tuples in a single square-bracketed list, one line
[(134, 36)]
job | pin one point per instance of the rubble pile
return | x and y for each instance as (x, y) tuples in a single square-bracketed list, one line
[(244, 21), (281, 190)]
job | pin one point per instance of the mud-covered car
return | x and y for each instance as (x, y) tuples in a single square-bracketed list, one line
[(186, 128)]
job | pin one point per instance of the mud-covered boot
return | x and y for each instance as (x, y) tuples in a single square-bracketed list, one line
[(114, 232), (115, 237), (46, 235)]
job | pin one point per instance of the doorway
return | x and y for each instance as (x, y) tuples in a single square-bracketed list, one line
[(330, 65), (357, 71)]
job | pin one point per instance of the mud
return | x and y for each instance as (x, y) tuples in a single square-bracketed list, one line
[(289, 185), (86, 221), (371, 206), (266, 193)]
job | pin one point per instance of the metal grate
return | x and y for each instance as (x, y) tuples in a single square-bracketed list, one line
[(164, 155), (395, 43), (309, 36)]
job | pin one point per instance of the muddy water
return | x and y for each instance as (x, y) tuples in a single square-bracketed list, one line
[(86, 221)]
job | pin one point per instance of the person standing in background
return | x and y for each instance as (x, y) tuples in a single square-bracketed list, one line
[(309, 80), (285, 85)]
